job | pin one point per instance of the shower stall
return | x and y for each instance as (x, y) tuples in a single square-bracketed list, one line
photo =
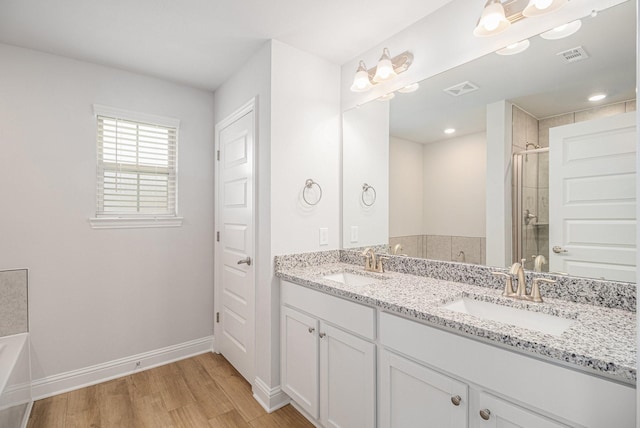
[(531, 208)]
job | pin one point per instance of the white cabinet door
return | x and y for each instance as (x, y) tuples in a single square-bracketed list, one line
[(299, 359), (412, 395), (498, 413), (347, 379)]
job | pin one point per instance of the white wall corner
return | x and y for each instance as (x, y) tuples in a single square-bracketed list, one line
[(498, 209), (76, 379), (271, 399)]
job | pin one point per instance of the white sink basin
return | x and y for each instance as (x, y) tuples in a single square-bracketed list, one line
[(348, 278), (538, 321)]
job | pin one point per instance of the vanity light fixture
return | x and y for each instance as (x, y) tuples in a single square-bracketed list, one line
[(498, 15), (541, 7), (409, 88), (449, 131), (386, 69), (514, 48), (562, 31), (597, 97), (493, 20)]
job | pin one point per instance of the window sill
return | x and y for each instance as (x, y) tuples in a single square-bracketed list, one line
[(133, 222)]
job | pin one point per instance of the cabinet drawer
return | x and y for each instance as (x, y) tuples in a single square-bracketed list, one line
[(350, 316)]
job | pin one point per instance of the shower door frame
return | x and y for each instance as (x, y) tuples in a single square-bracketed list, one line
[(516, 200)]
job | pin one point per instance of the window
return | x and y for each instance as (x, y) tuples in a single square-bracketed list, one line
[(136, 169)]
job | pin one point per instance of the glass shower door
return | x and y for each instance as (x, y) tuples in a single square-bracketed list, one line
[(531, 208)]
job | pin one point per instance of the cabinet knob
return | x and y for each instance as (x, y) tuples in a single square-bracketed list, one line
[(322, 335), (485, 414), (456, 400), (311, 329)]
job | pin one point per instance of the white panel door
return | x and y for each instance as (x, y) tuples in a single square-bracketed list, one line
[(592, 201), (347, 379), (299, 359), (235, 278), (497, 413), (411, 395)]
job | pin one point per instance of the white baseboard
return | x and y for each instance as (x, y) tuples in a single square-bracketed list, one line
[(271, 399), (69, 381)]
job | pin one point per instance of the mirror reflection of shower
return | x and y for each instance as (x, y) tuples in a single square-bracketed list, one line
[(531, 207)]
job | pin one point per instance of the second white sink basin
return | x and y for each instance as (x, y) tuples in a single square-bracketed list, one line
[(538, 321), (349, 278)]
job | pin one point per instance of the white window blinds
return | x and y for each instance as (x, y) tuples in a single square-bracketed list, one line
[(136, 174)]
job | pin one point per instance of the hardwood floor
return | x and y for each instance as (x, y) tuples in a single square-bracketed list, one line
[(204, 391)]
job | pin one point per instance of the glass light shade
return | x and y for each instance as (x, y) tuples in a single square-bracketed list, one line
[(540, 7), (361, 82), (384, 70), (562, 31), (492, 21)]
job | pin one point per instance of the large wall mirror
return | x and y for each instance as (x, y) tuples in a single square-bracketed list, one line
[(415, 166)]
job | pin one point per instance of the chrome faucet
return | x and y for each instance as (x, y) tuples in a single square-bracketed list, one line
[(517, 271), (371, 262)]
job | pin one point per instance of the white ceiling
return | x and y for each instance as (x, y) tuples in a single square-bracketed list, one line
[(537, 80), (202, 42)]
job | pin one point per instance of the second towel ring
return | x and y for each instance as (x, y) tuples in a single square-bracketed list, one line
[(365, 189), (308, 185)]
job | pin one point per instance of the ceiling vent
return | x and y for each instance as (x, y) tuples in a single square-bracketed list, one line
[(461, 89), (573, 55)]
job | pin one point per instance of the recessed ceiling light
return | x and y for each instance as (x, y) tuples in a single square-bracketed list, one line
[(515, 48), (409, 88), (449, 131), (562, 31), (597, 97)]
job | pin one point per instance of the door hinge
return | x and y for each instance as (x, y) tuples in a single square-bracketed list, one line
[(218, 236), (218, 155), (217, 316)]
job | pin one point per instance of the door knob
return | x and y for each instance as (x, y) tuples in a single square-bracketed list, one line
[(557, 249), (246, 261), (485, 414), (456, 400)]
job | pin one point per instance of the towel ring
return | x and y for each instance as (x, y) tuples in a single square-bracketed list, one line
[(308, 185), (365, 189)]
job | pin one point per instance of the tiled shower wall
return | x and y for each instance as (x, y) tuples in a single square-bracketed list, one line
[(13, 302), (442, 247), (581, 116)]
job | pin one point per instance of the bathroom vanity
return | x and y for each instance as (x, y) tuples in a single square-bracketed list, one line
[(361, 349)]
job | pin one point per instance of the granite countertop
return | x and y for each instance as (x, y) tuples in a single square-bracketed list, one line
[(601, 341)]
